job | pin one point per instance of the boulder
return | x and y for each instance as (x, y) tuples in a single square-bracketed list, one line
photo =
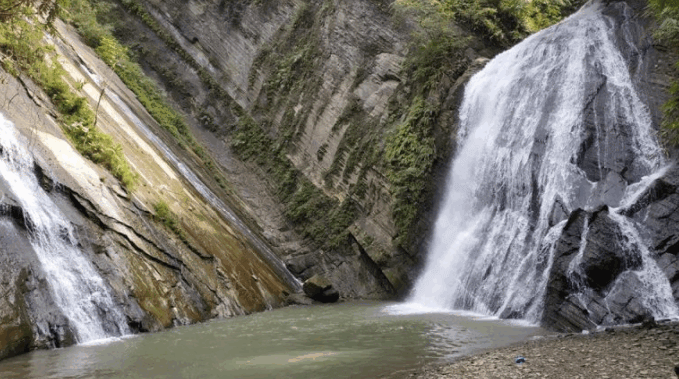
[(602, 288), (320, 289), (605, 256)]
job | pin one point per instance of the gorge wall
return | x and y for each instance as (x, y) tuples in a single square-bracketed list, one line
[(113, 265), (308, 110), (325, 86), (304, 98)]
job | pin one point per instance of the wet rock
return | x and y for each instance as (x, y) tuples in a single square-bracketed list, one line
[(29, 319), (659, 190), (604, 258), (555, 313), (624, 301), (298, 299), (320, 289), (558, 213), (602, 287)]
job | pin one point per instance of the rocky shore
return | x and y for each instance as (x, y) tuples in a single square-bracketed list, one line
[(644, 351)]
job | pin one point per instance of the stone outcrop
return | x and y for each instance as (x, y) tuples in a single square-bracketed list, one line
[(593, 284), (597, 283)]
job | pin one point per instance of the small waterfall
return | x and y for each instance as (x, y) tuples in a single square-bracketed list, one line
[(76, 287), (536, 142)]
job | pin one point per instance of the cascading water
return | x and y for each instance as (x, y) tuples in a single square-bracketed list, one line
[(522, 142), (76, 287)]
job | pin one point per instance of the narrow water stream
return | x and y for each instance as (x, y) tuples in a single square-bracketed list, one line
[(350, 340)]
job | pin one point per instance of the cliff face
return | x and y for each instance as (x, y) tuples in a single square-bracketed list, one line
[(156, 278), (298, 102), (321, 82), (319, 85), (594, 250), (325, 83)]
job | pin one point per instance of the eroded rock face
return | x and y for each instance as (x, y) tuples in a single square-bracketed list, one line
[(595, 276), (661, 218), (156, 278), (593, 280), (356, 54), (302, 69)]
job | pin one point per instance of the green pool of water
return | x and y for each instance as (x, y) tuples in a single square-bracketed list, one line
[(349, 340)]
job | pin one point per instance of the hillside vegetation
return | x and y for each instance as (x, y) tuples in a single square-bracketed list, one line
[(22, 28), (666, 13)]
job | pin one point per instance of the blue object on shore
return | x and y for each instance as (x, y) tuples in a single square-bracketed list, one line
[(519, 360)]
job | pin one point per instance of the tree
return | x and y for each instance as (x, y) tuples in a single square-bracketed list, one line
[(11, 9)]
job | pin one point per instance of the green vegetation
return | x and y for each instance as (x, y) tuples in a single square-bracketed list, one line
[(409, 156), (504, 22), (13, 9), (164, 215), (84, 15), (25, 52), (357, 145), (667, 15), (316, 216)]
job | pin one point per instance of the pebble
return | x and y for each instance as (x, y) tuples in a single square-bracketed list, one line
[(627, 353)]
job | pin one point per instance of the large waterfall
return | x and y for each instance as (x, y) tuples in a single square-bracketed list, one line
[(76, 287), (531, 123)]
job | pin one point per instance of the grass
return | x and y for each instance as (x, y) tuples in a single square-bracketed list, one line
[(165, 216), (84, 15), (25, 52), (666, 13)]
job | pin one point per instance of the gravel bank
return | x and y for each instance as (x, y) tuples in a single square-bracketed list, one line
[(626, 352)]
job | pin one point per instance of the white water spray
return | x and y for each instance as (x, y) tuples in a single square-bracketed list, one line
[(522, 125), (77, 288)]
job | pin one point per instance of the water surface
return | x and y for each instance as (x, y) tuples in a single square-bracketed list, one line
[(349, 340)]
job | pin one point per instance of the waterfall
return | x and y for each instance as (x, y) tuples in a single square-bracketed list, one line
[(536, 142), (76, 286)]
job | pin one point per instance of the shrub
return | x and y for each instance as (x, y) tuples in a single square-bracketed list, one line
[(666, 13), (409, 156), (164, 215), (21, 42)]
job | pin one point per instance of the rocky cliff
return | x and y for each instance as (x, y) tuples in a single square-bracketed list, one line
[(298, 101), (305, 101), (595, 251), (332, 148), (295, 100), (205, 266)]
